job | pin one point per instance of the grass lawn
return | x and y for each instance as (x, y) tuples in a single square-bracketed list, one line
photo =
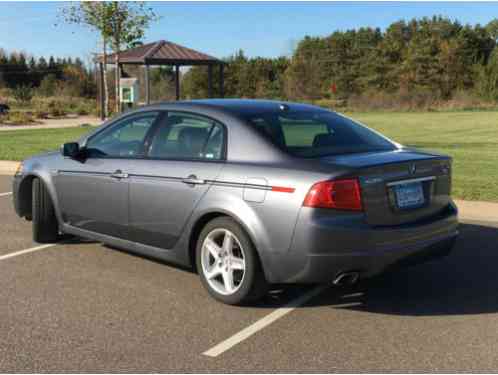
[(471, 138), (19, 144)]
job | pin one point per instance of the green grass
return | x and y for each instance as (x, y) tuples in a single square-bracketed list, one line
[(471, 138), (19, 144)]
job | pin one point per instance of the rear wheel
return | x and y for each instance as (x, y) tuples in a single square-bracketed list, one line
[(228, 264), (45, 225)]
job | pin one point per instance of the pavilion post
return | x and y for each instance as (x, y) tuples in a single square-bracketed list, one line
[(101, 91), (177, 82), (210, 80), (147, 84), (222, 84)]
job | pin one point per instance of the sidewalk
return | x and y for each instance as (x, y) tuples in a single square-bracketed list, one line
[(468, 210), (8, 167), (53, 123), (478, 211)]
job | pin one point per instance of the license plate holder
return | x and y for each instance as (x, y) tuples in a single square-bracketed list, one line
[(409, 195)]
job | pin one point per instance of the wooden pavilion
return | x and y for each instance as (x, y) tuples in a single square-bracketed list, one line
[(163, 53)]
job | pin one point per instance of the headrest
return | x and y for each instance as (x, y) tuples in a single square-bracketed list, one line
[(192, 139), (323, 140)]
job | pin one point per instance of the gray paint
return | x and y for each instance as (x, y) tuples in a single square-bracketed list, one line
[(154, 210)]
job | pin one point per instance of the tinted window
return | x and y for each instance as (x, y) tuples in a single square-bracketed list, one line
[(123, 139), (312, 134), (184, 136)]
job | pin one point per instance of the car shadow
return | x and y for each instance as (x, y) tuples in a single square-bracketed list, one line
[(465, 282)]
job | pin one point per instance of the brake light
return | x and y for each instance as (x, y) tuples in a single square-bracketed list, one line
[(338, 194)]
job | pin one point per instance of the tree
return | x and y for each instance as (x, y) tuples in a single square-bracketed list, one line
[(492, 29), (94, 15), (42, 65), (127, 22), (32, 64), (120, 24)]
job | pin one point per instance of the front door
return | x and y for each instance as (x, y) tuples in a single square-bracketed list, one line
[(93, 192), (186, 154)]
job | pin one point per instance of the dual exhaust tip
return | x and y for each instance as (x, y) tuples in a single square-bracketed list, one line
[(346, 278)]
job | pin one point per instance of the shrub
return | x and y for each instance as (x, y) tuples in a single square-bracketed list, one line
[(23, 93), (41, 115), (48, 85), (18, 118), (56, 109)]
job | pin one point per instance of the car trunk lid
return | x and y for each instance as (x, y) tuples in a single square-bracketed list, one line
[(400, 186)]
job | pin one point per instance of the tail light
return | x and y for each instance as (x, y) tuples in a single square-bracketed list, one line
[(338, 194)]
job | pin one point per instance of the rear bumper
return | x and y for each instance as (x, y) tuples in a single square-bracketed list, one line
[(325, 268), (324, 246)]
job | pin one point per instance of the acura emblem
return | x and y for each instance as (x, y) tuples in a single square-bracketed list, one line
[(413, 169)]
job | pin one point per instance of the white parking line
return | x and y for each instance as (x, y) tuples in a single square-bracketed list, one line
[(26, 251), (5, 194), (263, 322)]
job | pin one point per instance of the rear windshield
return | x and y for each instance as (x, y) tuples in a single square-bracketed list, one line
[(313, 134)]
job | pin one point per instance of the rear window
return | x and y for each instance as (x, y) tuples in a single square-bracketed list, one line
[(312, 134)]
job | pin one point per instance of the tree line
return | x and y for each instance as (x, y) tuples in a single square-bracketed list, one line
[(419, 61), (47, 76), (429, 58)]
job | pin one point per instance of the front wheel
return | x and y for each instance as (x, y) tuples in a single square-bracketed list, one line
[(45, 225), (228, 264)]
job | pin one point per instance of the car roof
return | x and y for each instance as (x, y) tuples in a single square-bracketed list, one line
[(247, 107)]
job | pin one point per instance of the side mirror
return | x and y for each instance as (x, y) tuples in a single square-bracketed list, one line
[(70, 150)]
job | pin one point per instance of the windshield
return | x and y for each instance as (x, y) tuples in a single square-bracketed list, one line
[(313, 134)]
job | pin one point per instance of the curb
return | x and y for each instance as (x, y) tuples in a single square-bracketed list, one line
[(8, 167)]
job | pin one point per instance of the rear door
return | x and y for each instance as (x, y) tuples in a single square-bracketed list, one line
[(185, 155)]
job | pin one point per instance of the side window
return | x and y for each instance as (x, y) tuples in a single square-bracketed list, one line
[(302, 133), (185, 136), (123, 139)]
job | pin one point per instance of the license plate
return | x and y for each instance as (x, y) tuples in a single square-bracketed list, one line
[(409, 195)]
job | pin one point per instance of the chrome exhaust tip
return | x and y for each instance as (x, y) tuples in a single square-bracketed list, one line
[(346, 278)]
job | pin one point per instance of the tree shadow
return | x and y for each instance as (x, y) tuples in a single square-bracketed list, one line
[(465, 282)]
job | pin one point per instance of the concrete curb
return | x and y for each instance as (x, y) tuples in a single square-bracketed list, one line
[(478, 211), (8, 167)]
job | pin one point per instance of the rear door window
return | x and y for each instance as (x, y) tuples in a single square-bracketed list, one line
[(186, 136)]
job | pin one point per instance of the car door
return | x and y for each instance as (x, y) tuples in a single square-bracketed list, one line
[(93, 190), (186, 153)]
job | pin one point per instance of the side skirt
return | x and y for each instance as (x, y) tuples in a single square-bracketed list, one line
[(134, 247)]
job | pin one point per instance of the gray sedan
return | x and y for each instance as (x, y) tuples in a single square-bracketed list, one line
[(246, 192)]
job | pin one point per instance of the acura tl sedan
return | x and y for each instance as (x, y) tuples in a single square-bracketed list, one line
[(249, 193)]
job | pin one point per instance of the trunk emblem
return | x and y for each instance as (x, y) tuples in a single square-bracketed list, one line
[(413, 169)]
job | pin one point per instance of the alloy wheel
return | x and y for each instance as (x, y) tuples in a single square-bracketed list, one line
[(223, 261)]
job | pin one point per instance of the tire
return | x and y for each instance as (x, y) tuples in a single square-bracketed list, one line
[(45, 225), (250, 283)]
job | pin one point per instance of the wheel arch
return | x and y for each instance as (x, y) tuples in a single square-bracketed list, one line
[(25, 198), (205, 218)]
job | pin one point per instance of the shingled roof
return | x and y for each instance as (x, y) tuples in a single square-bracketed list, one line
[(165, 53)]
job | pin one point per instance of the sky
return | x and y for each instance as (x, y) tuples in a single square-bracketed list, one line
[(267, 29)]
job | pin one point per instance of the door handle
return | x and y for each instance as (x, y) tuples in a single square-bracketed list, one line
[(192, 179), (119, 175)]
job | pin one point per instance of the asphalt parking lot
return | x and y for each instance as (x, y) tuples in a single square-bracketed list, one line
[(84, 307)]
